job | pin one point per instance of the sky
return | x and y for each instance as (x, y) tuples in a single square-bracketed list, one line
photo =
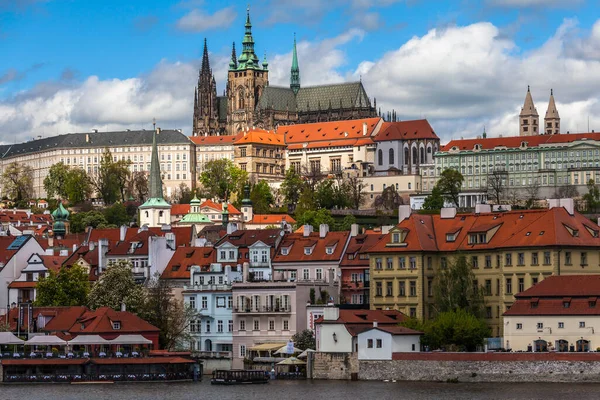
[(77, 65)]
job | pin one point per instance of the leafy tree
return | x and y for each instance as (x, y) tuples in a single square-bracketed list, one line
[(353, 189), (138, 186), (168, 314), (116, 286), (449, 184), (389, 199), (496, 186), (346, 223), (454, 289), (326, 194), (592, 197), (291, 187), (80, 221), (69, 287), (221, 178), (112, 178), (532, 192), (306, 202), (55, 181), (78, 186), (315, 218), (17, 181), (116, 215), (185, 194), (262, 197), (304, 340), (435, 201)]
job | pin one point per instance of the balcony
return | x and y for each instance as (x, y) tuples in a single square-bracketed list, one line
[(263, 309), (355, 285), (259, 264), (212, 354), (208, 288)]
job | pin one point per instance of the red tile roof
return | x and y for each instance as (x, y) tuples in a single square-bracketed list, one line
[(89, 256), (22, 284), (328, 134), (247, 237), (184, 258), (53, 262), (53, 312), (515, 141), (405, 130), (565, 286), (180, 209), (297, 242), (357, 246), (271, 219), (183, 234), (397, 330), (140, 241), (260, 136), (367, 317), (226, 140), (219, 207)]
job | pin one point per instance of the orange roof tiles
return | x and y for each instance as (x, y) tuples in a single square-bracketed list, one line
[(515, 141), (22, 284), (184, 258), (403, 130), (80, 320), (260, 136), (357, 246), (336, 133), (219, 207), (180, 209), (273, 219), (367, 317), (297, 242)]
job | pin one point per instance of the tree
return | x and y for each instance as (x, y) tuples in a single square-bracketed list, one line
[(567, 191), (291, 187), (435, 201), (306, 202), (17, 181), (315, 218), (115, 287), (112, 178), (353, 189), (592, 197), (449, 184), (168, 314), (138, 186), (533, 193), (69, 287), (116, 215), (496, 186), (346, 223), (78, 186), (221, 178), (325, 194), (55, 181), (389, 199), (185, 194), (304, 340), (454, 289), (262, 197), (81, 220)]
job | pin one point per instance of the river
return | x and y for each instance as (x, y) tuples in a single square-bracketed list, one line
[(304, 390)]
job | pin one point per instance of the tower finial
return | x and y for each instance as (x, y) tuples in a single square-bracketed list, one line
[(295, 71), (551, 92), (528, 88)]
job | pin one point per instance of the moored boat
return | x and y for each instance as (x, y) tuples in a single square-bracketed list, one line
[(238, 377)]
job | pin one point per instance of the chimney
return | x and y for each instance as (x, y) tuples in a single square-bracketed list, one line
[(92, 246), (122, 233), (404, 212), (482, 208), (170, 240), (102, 249), (123, 307), (307, 230), (354, 230), (74, 248), (87, 137), (231, 227), (374, 323), (323, 229), (385, 229), (331, 313), (364, 129), (50, 242), (568, 205), (448, 212), (158, 131)]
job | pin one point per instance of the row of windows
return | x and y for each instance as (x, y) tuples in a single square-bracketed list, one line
[(196, 326), (285, 325), (540, 325), (389, 288), (403, 262)]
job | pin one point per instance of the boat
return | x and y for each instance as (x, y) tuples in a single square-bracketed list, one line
[(238, 377)]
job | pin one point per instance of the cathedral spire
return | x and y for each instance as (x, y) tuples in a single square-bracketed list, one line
[(248, 59), (295, 72), (552, 119), (205, 70), (528, 118), (233, 62), (156, 190)]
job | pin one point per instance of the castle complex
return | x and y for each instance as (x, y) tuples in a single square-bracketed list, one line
[(249, 101)]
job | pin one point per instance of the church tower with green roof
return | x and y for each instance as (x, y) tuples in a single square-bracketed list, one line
[(155, 211)]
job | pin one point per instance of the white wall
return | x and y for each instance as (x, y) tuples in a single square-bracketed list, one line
[(325, 342), (405, 343), (383, 353)]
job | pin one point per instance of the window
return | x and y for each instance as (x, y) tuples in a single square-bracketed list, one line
[(521, 284), (582, 324), (508, 285), (395, 237), (286, 325), (207, 326), (488, 287), (242, 350), (567, 258), (519, 326), (378, 263), (413, 288), (380, 157), (271, 325), (540, 325), (378, 289), (257, 325), (508, 259), (329, 250), (583, 258), (413, 262), (230, 326), (220, 326), (379, 343), (534, 281), (413, 312), (561, 325), (546, 258), (242, 152), (402, 262), (488, 312), (306, 274), (443, 263), (474, 262), (370, 341), (391, 156), (230, 302), (402, 288), (488, 261), (389, 263), (534, 258), (116, 325), (204, 302), (389, 289), (242, 324), (521, 259), (192, 303)]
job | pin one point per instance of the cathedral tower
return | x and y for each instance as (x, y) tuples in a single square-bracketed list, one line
[(529, 118), (206, 113), (552, 119)]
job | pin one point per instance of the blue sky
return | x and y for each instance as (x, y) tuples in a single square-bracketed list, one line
[(76, 65)]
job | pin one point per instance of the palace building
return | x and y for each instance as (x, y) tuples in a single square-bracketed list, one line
[(249, 101)]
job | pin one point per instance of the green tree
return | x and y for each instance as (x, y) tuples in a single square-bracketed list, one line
[(17, 181), (306, 202), (185, 194), (449, 184), (353, 191), (55, 181), (116, 215), (291, 188), (221, 178), (592, 197), (111, 181), (435, 201), (69, 287), (316, 218), (304, 340), (115, 287), (138, 186), (262, 197), (81, 220), (346, 223), (454, 289), (325, 194), (78, 186)]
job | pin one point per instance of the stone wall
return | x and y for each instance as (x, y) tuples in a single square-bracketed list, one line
[(211, 364), (334, 365)]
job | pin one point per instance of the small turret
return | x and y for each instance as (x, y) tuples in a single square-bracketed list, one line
[(295, 72)]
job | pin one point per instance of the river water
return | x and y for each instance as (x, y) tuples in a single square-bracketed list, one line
[(304, 390)]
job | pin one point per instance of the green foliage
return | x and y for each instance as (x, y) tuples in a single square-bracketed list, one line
[(69, 287), (55, 181), (262, 197), (67, 183), (138, 186), (315, 218), (454, 289), (185, 194), (112, 178), (311, 296), (116, 286), (221, 178), (291, 188), (592, 197), (306, 202), (389, 199), (17, 181), (304, 340), (353, 189), (435, 201), (81, 220), (331, 195), (449, 185), (346, 223), (116, 215)]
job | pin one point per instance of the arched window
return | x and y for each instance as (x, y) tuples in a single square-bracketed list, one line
[(414, 156), (240, 99), (380, 157), (422, 155), (146, 214), (409, 185), (391, 156), (406, 156)]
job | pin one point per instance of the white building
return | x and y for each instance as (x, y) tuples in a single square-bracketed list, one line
[(379, 343)]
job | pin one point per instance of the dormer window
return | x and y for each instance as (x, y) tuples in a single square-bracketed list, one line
[(284, 251), (307, 251), (329, 250), (396, 237), (116, 325), (450, 237)]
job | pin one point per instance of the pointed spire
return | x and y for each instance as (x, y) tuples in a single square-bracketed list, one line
[(156, 190), (484, 134), (295, 72), (552, 112), (265, 64), (528, 106), (248, 59), (233, 62), (205, 70), (195, 98)]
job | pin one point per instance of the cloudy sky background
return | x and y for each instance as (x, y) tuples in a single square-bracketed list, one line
[(73, 66)]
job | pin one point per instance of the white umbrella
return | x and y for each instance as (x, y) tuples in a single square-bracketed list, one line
[(130, 339), (291, 361), (304, 354), (9, 338), (284, 350), (49, 340), (88, 339)]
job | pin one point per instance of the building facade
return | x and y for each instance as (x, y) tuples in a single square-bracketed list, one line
[(261, 153)]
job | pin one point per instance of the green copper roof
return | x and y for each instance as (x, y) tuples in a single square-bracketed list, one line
[(61, 213), (155, 202), (246, 200), (248, 59), (156, 190), (195, 201), (195, 218), (295, 75)]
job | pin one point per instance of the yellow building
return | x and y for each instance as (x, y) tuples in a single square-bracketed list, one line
[(508, 251), (260, 153)]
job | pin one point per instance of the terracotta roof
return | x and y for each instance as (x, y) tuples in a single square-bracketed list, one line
[(140, 241), (225, 140), (183, 234), (180, 209), (53, 262), (367, 317), (515, 141), (80, 320), (260, 136), (184, 258), (297, 242), (553, 306), (405, 130), (271, 219), (358, 245), (22, 284), (53, 312), (247, 237), (89, 256), (396, 330), (565, 286), (219, 207), (336, 133)]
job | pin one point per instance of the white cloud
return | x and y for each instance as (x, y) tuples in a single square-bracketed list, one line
[(198, 21)]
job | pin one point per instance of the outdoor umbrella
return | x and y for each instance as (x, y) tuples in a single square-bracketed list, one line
[(84, 340), (49, 340), (9, 338), (304, 354), (130, 339), (291, 361), (283, 350)]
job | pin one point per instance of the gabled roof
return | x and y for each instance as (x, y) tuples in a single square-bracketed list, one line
[(219, 207), (326, 134), (358, 245), (184, 258), (225, 140), (271, 219), (367, 317), (53, 312), (183, 234), (515, 141), (10, 245), (180, 209), (395, 330), (260, 136), (247, 237), (80, 320), (124, 248), (565, 286), (296, 242), (405, 130)]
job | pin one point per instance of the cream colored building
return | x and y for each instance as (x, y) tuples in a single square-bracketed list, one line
[(85, 150), (211, 148)]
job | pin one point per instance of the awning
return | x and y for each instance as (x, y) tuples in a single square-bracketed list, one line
[(130, 339), (291, 361), (46, 340), (283, 350), (304, 354), (88, 339), (267, 347), (9, 338)]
